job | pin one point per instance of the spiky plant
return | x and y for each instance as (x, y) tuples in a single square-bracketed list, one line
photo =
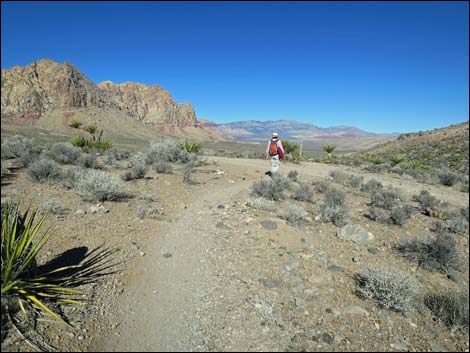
[(396, 159), (190, 146), (328, 149), (75, 124), (292, 150), (78, 141), (20, 245)]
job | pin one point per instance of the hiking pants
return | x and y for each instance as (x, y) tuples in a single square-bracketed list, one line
[(274, 163)]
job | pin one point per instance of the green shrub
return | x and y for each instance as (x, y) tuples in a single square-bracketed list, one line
[(75, 124), (376, 160), (91, 129), (396, 159), (291, 150)]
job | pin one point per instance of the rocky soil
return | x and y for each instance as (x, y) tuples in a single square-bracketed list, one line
[(198, 268)]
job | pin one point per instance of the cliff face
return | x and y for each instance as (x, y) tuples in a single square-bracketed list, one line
[(151, 104), (46, 85)]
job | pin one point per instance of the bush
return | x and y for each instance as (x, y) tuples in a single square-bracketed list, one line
[(295, 215), (52, 206), (163, 167), (44, 170), (138, 171), (96, 185), (63, 154), (165, 151), (88, 161), (75, 124), (353, 180), (338, 176), (5, 170), (293, 175), (396, 159), (322, 186), (376, 160), (24, 150), (431, 206), (303, 192), (390, 288), (372, 186), (272, 189), (440, 254), (448, 179), (450, 307), (262, 204), (291, 150), (334, 209), (386, 206)]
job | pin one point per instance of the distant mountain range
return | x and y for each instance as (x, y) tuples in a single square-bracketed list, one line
[(253, 130)]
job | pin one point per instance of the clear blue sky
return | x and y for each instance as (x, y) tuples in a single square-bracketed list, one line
[(380, 66)]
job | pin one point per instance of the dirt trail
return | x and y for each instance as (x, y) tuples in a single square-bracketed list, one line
[(158, 307)]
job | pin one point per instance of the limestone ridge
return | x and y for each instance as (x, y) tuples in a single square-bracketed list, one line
[(46, 85)]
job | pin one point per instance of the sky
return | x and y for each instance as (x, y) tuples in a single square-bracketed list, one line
[(379, 66)]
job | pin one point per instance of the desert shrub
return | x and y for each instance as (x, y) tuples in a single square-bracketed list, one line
[(190, 146), (377, 168), (376, 160), (115, 154), (303, 192), (262, 204), (334, 208), (53, 207), (448, 178), (390, 288), (138, 168), (293, 175), (430, 205), (386, 198), (353, 180), (450, 307), (63, 154), (163, 167), (328, 149), (91, 129), (17, 145), (295, 215), (188, 167), (88, 161), (339, 177), (44, 169), (386, 206), (166, 150), (371, 186), (439, 254), (275, 188), (96, 185), (78, 141), (322, 186), (5, 170), (101, 145)]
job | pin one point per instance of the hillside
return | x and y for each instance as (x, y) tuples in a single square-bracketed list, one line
[(446, 148)]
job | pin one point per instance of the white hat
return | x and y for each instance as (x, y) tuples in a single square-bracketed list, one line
[(274, 134)]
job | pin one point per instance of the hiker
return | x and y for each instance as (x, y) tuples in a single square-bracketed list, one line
[(275, 153)]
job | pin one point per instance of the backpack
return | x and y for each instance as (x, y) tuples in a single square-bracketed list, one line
[(273, 148)]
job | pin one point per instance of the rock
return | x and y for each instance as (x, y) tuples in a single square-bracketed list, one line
[(167, 255), (271, 283), (355, 233), (328, 338), (269, 224), (220, 206), (355, 310), (222, 225), (318, 278), (80, 212), (335, 268), (373, 250), (141, 253), (399, 345)]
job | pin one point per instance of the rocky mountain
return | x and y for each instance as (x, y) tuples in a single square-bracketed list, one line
[(253, 130), (45, 86)]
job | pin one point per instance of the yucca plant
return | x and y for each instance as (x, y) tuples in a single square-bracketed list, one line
[(291, 150), (20, 245), (396, 159), (376, 160), (78, 141), (328, 149), (190, 146), (75, 124)]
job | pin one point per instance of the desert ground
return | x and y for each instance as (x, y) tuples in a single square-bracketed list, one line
[(206, 265)]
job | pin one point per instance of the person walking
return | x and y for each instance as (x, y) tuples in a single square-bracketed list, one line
[(275, 153)]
